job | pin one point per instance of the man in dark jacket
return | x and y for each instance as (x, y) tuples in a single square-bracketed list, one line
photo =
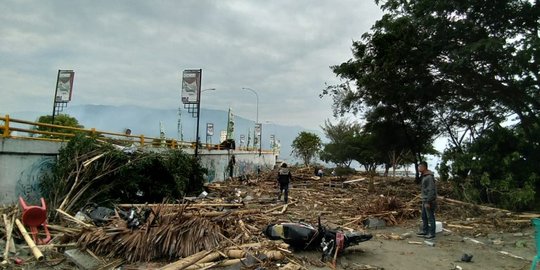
[(284, 178), (429, 201), (230, 166)]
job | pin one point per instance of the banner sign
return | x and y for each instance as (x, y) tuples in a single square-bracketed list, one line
[(242, 139), (258, 127), (209, 129), (230, 125), (223, 136), (191, 86), (64, 85)]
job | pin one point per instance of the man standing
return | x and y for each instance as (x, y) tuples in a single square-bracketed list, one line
[(429, 201), (284, 178), (230, 166)]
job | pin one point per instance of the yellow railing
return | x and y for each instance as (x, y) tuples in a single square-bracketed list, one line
[(8, 126), (30, 131)]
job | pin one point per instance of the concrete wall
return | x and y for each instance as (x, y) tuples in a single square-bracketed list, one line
[(23, 163), (246, 163)]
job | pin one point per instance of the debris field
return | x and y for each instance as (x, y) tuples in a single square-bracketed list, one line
[(223, 227)]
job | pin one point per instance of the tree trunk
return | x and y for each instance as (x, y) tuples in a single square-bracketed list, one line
[(387, 167)]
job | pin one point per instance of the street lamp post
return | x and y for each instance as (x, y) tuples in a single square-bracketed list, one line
[(272, 135), (198, 118), (257, 119), (208, 89)]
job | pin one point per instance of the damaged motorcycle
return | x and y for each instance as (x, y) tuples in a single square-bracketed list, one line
[(303, 236)]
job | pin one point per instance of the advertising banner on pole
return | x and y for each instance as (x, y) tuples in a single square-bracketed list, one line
[(223, 136), (258, 127), (64, 85), (191, 86), (230, 125), (209, 129)]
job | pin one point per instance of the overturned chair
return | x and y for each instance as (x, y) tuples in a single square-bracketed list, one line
[(34, 217)]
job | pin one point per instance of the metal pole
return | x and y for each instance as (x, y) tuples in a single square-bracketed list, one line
[(260, 140), (257, 119), (198, 114), (54, 98)]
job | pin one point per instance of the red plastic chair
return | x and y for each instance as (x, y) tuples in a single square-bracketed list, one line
[(33, 217)]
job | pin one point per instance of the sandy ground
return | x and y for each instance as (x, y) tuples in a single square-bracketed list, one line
[(445, 254)]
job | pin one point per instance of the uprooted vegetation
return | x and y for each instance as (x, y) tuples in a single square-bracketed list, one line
[(88, 171)]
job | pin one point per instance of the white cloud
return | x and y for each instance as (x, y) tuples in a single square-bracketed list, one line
[(133, 52)]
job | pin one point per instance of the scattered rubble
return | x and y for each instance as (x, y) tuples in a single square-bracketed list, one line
[(225, 226)]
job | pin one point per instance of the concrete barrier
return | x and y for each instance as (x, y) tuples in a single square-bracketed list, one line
[(24, 162)]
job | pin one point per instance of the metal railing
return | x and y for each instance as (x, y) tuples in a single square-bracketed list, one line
[(11, 127)]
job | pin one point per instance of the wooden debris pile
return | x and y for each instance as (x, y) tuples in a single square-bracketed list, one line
[(225, 226), (346, 206), (166, 234)]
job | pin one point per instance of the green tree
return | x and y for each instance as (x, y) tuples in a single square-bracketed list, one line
[(390, 141), (306, 146), (61, 120), (498, 167), (392, 82), (341, 135), (365, 151), (446, 66)]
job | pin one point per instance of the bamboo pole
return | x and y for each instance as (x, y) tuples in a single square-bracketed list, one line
[(219, 264), (37, 253), (460, 226), (273, 209), (10, 241), (71, 218), (217, 214), (9, 229), (187, 261), (354, 221), (284, 209), (482, 207), (236, 245), (54, 246), (198, 205)]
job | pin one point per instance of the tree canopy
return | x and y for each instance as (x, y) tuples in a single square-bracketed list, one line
[(341, 135), (62, 120), (306, 146), (455, 68)]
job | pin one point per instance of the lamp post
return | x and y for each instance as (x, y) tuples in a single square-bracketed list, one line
[(257, 119), (273, 134), (198, 118), (208, 89)]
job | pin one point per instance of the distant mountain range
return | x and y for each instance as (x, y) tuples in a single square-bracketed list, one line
[(147, 121)]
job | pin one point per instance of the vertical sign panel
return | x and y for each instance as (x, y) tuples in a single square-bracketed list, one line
[(209, 129), (191, 86), (258, 128), (223, 136), (64, 86)]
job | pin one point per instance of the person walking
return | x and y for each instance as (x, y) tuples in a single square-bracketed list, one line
[(230, 166), (284, 178), (429, 201)]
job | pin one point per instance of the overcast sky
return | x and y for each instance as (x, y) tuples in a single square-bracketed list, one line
[(133, 53)]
